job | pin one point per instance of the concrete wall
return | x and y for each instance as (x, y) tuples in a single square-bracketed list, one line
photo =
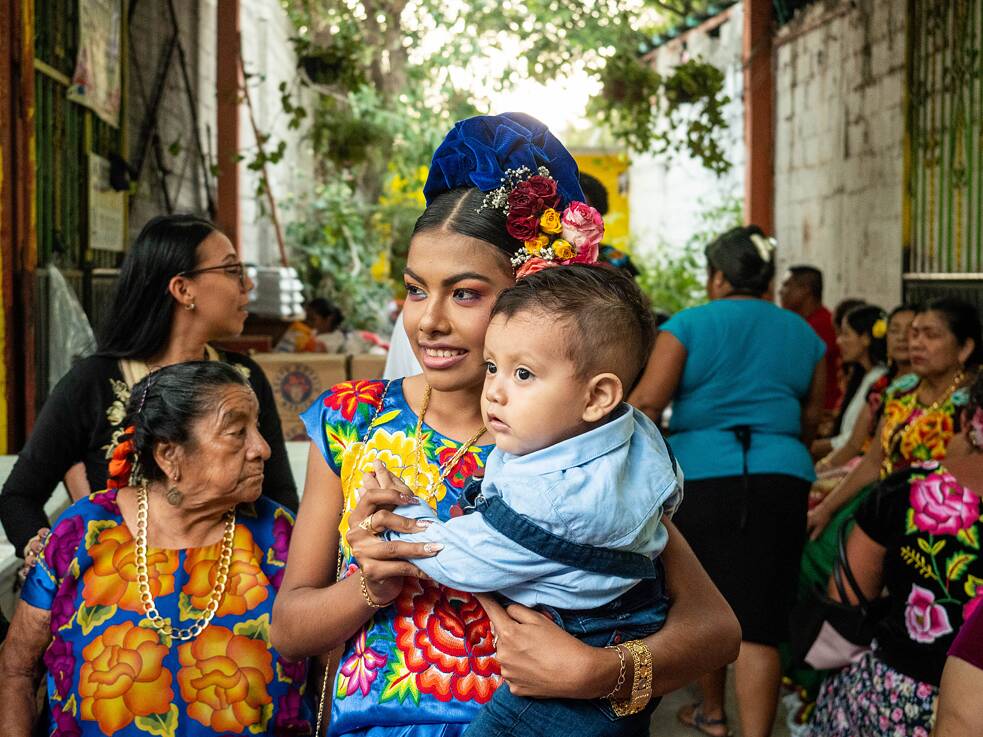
[(267, 53), (667, 194), (839, 132)]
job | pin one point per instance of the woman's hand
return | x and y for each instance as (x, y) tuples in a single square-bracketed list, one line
[(31, 552), (536, 656), (383, 562), (817, 519)]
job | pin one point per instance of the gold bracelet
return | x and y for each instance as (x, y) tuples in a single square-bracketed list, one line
[(641, 681), (366, 595), (621, 673)]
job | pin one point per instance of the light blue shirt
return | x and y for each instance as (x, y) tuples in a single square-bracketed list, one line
[(608, 488), (748, 362)]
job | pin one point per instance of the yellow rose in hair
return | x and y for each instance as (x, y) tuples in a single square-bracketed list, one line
[(563, 249), (537, 244), (550, 221)]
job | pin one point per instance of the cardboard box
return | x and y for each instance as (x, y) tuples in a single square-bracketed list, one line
[(367, 366), (297, 380)]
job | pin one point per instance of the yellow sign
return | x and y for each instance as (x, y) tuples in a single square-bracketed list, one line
[(611, 169)]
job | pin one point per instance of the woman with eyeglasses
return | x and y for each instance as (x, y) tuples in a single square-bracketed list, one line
[(181, 286)]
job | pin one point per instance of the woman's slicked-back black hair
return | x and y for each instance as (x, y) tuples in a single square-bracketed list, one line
[(862, 320), (165, 405), (963, 320), (139, 322), (734, 255), (460, 211)]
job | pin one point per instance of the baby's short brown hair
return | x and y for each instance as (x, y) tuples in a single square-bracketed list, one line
[(609, 324)]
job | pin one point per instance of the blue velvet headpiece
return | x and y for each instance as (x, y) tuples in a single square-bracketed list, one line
[(478, 151)]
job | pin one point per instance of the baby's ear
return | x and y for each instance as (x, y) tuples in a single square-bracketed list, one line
[(604, 394)]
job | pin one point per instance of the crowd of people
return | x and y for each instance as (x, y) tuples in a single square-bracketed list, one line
[(668, 497)]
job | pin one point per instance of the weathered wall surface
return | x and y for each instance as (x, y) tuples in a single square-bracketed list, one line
[(667, 195), (839, 136)]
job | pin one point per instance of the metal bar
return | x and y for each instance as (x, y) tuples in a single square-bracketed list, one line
[(954, 276), (50, 71)]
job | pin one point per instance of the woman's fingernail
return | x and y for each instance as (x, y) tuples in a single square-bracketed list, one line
[(409, 499), (424, 523), (433, 547)]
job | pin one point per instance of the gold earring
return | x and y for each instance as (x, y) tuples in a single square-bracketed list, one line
[(174, 496), (191, 305)]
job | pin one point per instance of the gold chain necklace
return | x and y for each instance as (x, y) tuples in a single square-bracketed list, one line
[(143, 576), (445, 469)]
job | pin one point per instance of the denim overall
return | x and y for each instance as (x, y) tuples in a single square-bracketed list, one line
[(635, 614)]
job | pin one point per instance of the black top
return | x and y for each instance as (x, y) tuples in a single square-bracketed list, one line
[(930, 528), (81, 420)]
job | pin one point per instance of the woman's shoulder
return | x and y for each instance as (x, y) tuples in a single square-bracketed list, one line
[(81, 522), (356, 401), (92, 372)]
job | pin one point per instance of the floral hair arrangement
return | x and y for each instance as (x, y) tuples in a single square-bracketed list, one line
[(527, 174), (879, 329), (121, 462), (550, 237)]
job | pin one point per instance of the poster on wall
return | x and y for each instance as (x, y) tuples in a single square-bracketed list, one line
[(107, 208), (96, 81)]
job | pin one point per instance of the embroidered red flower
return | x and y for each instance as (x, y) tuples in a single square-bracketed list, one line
[(446, 639), (347, 397), (463, 471)]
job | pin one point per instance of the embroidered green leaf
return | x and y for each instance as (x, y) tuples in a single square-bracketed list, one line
[(265, 714), (187, 609), (972, 586), (956, 565), (73, 568), (88, 617), (913, 558), (160, 725), (255, 629), (71, 706), (970, 537), (400, 681), (96, 528), (385, 417), (163, 639), (924, 546), (909, 526), (938, 547)]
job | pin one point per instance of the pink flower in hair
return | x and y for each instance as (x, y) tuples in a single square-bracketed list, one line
[(533, 265), (583, 227)]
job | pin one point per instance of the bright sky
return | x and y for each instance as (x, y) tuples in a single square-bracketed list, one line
[(561, 105)]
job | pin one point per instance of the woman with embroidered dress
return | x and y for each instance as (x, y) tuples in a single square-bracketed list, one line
[(149, 604), (181, 286), (922, 410), (419, 658), (917, 536)]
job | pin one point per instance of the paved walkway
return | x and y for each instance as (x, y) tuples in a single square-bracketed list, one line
[(664, 723)]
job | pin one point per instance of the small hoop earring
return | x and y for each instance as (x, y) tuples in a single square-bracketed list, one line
[(190, 306)]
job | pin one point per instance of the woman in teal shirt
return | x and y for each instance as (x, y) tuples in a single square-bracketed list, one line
[(746, 381)]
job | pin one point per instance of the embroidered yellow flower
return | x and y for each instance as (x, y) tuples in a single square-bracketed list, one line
[(537, 244), (563, 249), (550, 222)]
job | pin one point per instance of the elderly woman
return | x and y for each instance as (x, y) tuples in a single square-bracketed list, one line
[(181, 286), (150, 602), (917, 538)]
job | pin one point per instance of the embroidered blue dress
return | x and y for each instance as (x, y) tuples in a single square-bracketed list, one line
[(425, 664)]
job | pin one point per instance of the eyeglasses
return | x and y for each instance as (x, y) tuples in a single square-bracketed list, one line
[(236, 270)]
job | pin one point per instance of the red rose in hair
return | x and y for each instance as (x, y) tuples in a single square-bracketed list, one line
[(545, 189), (523, 203), (522, 228)]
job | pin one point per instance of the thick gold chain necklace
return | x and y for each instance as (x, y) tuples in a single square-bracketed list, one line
[(143, 576), (445, 469)]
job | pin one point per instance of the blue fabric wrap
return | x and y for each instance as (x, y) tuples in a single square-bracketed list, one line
[(478, 151)]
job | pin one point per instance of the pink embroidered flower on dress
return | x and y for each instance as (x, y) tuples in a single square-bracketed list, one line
[(942, 506), (976, 428), (359, 672), (925, 620)]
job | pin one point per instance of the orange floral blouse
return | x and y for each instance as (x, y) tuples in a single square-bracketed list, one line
[(109, 673)]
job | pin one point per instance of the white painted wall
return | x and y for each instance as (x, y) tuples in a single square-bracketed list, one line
[(267, 51), (667, 194), (840, 74)]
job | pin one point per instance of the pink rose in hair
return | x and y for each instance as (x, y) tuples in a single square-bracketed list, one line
[(583, 227), (942, 506), (925, 620), (534, 265)]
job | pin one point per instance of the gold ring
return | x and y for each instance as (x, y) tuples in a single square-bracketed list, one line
[(366, 524)]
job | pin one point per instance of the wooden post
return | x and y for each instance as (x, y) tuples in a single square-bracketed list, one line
[(18, 242), (759, 116), (227, 82)]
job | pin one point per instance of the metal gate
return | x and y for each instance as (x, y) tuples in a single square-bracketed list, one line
[(944, 150), (65, 134)]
